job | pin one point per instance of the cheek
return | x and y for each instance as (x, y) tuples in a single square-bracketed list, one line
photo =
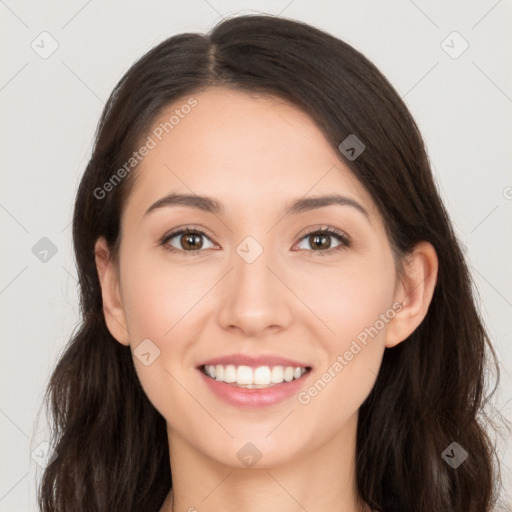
[(158, 296), (348, 297), (158, 301), (354, 303)]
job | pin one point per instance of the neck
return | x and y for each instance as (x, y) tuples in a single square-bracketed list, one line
[(320, 478)]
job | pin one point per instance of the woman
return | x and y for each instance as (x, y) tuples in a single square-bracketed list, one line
[(276, 312)]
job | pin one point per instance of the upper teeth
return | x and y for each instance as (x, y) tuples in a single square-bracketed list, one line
[(249, 377)]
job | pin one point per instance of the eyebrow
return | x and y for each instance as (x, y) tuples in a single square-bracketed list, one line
[(210, 205)]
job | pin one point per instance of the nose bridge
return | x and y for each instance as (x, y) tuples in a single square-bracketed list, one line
[(252, 278), (255, 298)]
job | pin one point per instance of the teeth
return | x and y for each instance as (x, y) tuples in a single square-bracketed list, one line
[(277, 375), (260, 377), (229, 373), (244, 375)]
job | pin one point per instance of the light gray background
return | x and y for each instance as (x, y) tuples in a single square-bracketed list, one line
[(50, 107)]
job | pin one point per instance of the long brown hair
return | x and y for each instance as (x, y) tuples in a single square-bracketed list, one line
[(430, 392)]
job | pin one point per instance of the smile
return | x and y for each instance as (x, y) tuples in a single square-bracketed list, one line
[(253, 387), (253, 378)]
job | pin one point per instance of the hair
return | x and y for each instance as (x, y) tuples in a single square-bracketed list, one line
[(431, 389)]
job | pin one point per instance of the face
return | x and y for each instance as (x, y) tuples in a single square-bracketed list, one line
[(255, 283)]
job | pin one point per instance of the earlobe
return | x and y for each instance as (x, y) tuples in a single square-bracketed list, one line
[(109, 281), (414, 293)]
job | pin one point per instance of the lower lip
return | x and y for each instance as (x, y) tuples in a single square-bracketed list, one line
[(250, 398)]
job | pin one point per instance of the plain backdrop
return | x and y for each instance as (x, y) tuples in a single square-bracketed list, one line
[(60, 62)]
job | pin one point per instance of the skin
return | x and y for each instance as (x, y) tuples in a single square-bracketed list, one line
[(255, 155)]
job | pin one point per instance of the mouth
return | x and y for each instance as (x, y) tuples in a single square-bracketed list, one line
[(248, 377)]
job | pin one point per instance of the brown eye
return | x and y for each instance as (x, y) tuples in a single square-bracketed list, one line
[(191, 241), (320, 241), (186, 241)]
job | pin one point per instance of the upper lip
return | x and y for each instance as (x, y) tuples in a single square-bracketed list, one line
[(253, 361)]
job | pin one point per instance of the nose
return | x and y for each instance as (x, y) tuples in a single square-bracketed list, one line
[(256, 297)]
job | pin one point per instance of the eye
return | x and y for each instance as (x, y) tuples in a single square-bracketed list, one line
[(190, 241), (319, 238), (188, 238)]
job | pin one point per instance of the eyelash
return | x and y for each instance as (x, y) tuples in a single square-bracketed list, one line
[(342, 238)]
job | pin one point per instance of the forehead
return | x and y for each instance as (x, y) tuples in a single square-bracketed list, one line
[(242, 148)]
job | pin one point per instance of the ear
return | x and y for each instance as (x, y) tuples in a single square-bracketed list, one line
[(108, 275), (414, 293)]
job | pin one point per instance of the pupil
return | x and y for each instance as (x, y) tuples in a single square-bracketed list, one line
[(189, 240), (316, 239)]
